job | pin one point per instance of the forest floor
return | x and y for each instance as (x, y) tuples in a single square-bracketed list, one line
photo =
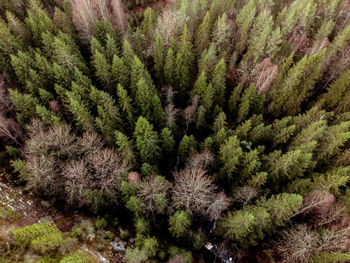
[(18, 209)]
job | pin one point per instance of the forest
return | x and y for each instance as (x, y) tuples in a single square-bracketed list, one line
[(192, 130)]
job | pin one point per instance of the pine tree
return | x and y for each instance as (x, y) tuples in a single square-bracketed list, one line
[(262, 29), (168, 142), (281, 207), (289, 165), (80, 111), (159, 57), (244, 20), (218, 82), (39, 21), (203, 34), (138, 72), (251, 102), (221, 35), (179, 223), (230, 154), (208, 59), (148, 102), (169, 68), (297, 85), (102, 69), (187, 147), (25, 104), (119, 72), (125, 104), (125, 148), (184, 64), (147, 141), (18, 28), (336, 91), (148, 25), (245, 226)]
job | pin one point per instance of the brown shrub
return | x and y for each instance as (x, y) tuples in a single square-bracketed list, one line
[(134, 178)]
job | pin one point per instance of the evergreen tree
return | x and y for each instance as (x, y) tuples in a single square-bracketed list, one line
[(80, 112), (179, 223), (125, 104), (203, 34), (281, 207), (230, 154), (119, 72), (147, 141), (184, 64), (187, 147), (125, 148), (169, 68), (218, 82), (168, 142), (159, 58), (149, 102), (25, 104)]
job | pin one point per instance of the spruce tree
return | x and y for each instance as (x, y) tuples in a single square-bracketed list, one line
[(203, 34), (218, 82), (179, 223), (147, 141), (159, 57)]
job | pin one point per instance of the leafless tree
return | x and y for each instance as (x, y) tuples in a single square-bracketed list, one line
[(195, 192), (176, 259), (245, 195), (153, 193), (265, 73), (168, 23), (317, 202), (86, 12), (77, 181), (297, 244), (10, 130), (43, 175), (200, 160), (189, 113)]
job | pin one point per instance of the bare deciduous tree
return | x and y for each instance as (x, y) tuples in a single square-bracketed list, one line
[(86, 12), (265, 73), (245, 195), (195, 192), (297, 244)]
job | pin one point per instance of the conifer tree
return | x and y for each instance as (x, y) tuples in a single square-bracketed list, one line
[(281, 207), (187, 147), (119, 72), (203, 34), (102, 68), (218, 82), (184, 63), (245, 226), (169, 68), (168, 142), (138, 72), (149, 102), (244, 21), (148, 25), (25, 104), (159, 57), (80, 112), (125, 148), (179, 223), (251, 102), (230, 154), (147, 141), (125, 104), (221, 35)]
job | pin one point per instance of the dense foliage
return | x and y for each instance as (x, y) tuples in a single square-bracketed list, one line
[(205, 121)]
